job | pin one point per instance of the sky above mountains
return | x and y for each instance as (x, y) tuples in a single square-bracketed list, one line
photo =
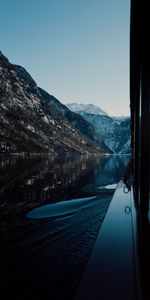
[(77, 50)]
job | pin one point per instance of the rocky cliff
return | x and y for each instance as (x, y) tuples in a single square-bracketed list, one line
[(32, 121)]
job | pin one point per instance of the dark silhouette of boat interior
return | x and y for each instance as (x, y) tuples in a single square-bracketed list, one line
[(140, 114)]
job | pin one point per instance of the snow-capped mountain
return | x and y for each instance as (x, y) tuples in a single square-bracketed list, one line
[(88, 108), (32, 121), (114, 132)]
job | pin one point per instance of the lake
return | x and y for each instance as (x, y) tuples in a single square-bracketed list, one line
[(51, 213)]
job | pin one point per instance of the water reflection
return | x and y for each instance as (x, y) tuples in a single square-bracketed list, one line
[(28, 183), (59, 209), (47, 255)]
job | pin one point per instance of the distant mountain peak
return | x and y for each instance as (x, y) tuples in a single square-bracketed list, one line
[(87, 108), (114, 132)]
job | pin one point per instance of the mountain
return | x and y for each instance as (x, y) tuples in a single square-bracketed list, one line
[(88, 108), (32, 121), (83, 126), (114, 132)]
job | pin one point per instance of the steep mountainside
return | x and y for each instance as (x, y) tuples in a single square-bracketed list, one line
[(113, 131), (32, 121)]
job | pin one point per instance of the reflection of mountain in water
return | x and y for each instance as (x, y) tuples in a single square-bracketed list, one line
[(112, 170), (28, 183), (46, 258), (109, 170)]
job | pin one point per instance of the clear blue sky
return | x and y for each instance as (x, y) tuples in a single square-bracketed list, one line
[(77, 50)]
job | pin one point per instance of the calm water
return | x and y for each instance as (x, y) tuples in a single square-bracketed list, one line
[(51, 213)]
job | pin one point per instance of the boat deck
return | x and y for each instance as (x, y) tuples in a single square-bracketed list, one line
[(111, 272)]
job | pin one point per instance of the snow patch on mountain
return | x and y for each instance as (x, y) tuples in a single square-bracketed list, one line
[(87, 108)]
